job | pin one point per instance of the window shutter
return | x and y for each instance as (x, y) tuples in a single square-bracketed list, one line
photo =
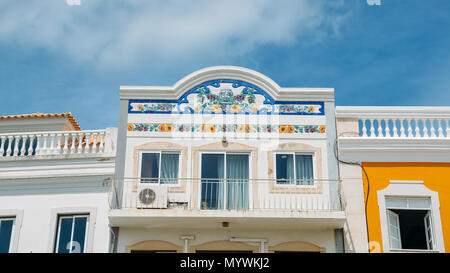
[(394, 230), (429, 231)]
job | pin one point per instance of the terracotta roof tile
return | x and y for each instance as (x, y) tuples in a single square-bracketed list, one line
[(67, 115)]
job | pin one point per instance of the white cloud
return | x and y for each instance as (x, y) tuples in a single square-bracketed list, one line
[(112, 33)]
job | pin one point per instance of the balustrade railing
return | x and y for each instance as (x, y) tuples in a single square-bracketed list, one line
[(394, 127), (211, 194), (52, 143), (399, 122)]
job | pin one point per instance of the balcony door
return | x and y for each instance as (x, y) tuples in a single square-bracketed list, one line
[(224, 183)]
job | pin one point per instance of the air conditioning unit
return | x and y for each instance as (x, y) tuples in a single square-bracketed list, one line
[(152, 196)]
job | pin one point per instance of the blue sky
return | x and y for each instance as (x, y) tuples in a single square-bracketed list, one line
[(59, 58)]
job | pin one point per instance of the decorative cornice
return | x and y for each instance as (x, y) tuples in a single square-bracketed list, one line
[(356, 149), (225, 96), (226, 72)]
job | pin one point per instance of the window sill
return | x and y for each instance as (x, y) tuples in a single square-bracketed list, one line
[(413, 251)]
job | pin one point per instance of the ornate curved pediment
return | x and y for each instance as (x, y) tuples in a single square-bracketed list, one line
[(225, 96)]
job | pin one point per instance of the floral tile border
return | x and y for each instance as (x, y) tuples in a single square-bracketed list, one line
[(226, 96), (234, 128)]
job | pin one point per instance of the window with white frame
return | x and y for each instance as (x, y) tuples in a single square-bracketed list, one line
[(6, 232), (410, 223), (160, 167), (294, 168), (71, 235)]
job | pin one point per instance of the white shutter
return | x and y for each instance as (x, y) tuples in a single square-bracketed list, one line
[(429, 231), (394, 230)]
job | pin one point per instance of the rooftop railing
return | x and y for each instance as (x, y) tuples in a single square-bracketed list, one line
[(396, 122), (29, 144), (206, 194)]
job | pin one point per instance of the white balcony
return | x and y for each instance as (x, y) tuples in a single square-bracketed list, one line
[(205, 203), (415, 134), (38, 145), (398, 122)]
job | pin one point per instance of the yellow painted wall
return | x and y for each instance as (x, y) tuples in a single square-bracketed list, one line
[(436, 177)]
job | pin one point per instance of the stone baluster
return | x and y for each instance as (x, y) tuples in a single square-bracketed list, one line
[(372, 128), (44, 142), (59, 143), (417, 129), (102, 141), (364, 128), (15, 147), (94, 142), (52, 143), (402, 128), (394, 128), (425, 128), (387, 129), (440, 131), (87, 147), (8, 150), (24, 142), (2, 145), (66, 143), (72, 142), (38, 144), (409, 124), (380, 128), (30, 147), (432, 130), (79, 142)]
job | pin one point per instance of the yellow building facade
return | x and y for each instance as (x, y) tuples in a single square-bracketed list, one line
[(435, 178), (395, 173)]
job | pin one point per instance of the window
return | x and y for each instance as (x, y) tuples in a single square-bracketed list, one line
[(294, 169), (71, 234), (224, 181), (410, 223), (160, 167), (6, 230)]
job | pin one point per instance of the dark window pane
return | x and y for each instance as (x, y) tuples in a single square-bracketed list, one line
[(150, 166), (212, 187), (304, 169), (65, 234), (285, 167), (79, 235), (169, 168), (6, 226), (412, 228), (237, 189)]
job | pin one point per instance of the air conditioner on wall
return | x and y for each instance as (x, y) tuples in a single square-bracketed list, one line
[(152, 196)]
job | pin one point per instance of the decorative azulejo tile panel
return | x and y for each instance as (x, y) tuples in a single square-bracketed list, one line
[(235, 128), (226, 97)]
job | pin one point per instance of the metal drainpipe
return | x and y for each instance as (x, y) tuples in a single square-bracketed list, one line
[(260, 241), (186, 239)]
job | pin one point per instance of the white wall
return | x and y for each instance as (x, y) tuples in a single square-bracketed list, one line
[(40, 202), (322, 238)]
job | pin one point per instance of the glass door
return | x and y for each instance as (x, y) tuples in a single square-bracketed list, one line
[(224, 181)]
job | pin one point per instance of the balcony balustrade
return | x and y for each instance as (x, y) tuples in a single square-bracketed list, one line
[(396, 122), (200, 194), (26, 145)]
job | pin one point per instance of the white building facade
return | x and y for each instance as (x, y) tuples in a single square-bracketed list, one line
[(226, 160), (55, 182)]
